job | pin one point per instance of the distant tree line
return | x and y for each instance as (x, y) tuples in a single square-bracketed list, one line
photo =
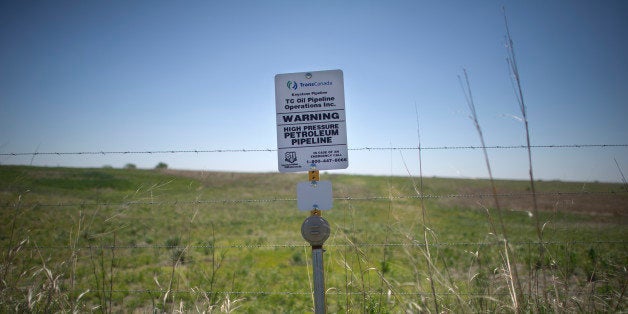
[(131, 166)]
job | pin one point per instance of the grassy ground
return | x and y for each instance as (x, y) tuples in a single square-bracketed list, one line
[(139, 240)]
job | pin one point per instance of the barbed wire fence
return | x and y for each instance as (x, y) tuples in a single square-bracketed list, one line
[(70, 205), (253, 150), (345, 198)]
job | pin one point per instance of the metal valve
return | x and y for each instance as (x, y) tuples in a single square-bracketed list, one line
[(315, 230)]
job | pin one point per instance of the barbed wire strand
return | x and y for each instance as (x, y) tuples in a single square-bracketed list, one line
[(253, 150), (342, 198), (330, 291), (301, 245)]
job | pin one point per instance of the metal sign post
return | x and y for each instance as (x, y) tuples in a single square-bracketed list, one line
[(312, 135), (315, 230)]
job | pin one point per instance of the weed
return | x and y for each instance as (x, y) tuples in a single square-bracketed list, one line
[(118, 256)]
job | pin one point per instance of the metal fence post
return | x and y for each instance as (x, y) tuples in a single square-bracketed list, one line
[(319, 280), (315, 230)]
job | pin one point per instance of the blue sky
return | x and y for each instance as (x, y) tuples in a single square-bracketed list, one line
[(162, 75)]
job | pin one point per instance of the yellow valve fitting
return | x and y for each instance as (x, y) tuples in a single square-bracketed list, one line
[(313, 175)]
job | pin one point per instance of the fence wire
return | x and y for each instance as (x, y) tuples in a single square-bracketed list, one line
[(305, 245), (342, 198), (330, 291), (254, 150)]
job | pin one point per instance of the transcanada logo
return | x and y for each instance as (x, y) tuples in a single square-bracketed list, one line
[(293, 84)]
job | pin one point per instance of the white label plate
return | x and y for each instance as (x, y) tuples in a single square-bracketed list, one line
[(310, 196)]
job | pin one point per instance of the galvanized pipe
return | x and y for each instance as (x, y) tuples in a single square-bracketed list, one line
[(319, 280)]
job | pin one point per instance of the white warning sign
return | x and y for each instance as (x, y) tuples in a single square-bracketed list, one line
[(311, 123)]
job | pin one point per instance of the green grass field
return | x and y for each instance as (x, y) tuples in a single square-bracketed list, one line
[(112, 240)]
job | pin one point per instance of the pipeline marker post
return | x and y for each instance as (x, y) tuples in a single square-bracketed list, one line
[(315, 230), (312, 136)]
